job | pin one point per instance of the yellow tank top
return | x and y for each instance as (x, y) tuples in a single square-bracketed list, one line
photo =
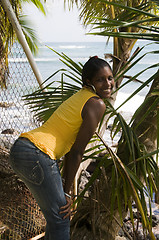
[(57, 135)]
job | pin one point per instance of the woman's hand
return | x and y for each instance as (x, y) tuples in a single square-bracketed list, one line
[(66, 209)]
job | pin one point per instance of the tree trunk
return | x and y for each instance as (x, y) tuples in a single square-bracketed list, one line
[(147, 131), (93, 219), (124, 51), (4, 71)]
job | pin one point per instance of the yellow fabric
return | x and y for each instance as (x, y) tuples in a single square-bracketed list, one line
[(56, 136)]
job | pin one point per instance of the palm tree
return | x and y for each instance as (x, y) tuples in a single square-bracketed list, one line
[(8, 37), (110, 14)]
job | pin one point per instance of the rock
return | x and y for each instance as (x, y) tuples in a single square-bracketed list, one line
[(91, 167), (5, 104), (136, 215), (154, 223), (157, 236), (154, 218), (110, 126), (120, 238), (9, 131), (134, 205), (121, 233), (148, 237), (83, 181)]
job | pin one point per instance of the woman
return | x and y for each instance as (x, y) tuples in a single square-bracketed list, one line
[(66, 133)]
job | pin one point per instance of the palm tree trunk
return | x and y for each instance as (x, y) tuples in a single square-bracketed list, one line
[(3, 66), (147, 131), (93, 219)]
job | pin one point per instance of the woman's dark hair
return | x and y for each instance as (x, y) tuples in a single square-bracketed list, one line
[(91, 67)]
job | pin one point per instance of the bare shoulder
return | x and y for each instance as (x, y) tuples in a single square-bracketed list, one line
[(97, 102), (94, 106)]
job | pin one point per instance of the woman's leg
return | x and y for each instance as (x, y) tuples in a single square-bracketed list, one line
[(41, 174)]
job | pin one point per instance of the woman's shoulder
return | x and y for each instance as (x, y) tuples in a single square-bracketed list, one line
[(96, 102), (94, 106)]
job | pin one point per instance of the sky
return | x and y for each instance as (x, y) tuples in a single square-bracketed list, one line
[(58, 25)]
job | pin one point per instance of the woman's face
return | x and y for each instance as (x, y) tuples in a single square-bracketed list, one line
[(103, 82)]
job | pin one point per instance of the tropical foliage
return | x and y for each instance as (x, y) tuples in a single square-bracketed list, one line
[(6, 29), (124, 18)]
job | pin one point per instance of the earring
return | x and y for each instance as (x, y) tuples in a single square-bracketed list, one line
[(93, 87)]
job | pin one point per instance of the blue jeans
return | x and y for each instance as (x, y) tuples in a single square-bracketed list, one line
[(42, 176)]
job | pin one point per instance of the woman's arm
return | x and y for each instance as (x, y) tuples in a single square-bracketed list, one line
[(91, 114)]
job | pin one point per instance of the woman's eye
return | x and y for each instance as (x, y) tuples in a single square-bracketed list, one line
[(110, 78)]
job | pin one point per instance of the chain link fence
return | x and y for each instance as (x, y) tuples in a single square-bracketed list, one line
[(20, 216), (19, 80)]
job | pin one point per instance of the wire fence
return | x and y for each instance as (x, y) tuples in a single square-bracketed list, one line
[(19, 80), (20, 216)]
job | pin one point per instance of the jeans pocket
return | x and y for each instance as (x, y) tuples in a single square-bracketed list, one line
[(28, 170)]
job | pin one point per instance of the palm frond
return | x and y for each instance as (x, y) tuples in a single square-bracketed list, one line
[(45, 103), (40, 4), (155, 1), (29, 33), (135, 9), (139, 19)]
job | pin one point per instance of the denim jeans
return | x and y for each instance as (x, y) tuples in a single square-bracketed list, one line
[(42, 176)]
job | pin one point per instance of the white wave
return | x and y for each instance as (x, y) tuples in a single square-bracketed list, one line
[(46, 59), (56, 59), (18, 60), (71, 46)]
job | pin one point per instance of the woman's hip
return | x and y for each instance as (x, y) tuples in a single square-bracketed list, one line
[(31, 163)]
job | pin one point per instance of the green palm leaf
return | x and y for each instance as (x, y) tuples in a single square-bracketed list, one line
[(132, 17), (39, 4)]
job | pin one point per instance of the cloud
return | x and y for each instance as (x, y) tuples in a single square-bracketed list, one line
[(58, 25)]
